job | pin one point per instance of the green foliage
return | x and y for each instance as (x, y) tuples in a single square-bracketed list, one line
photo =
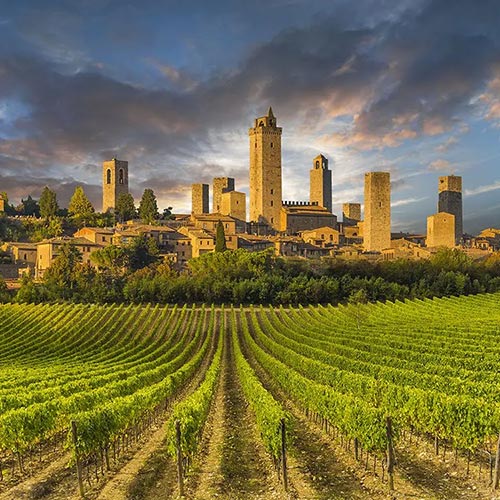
[(141, 252), (80, 208), (29, 206), (125, 207), (48, 203), (220, 238), (148, 208), (112, 258), (4, 291), (61, 277)]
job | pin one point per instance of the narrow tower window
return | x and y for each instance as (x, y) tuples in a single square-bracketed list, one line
[(120, 176), (108, 176), (317, 164), (271, 144)]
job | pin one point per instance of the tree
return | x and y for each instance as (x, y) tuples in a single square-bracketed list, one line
[(80, 207), (112, 257), (61, 276), (29, 206), (148, 208), (125, 208), (48, 203), (141, 252), (220, 238)]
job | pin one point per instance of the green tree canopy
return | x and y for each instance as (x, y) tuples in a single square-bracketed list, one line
[(141, 252), (29, 206), (48, 203), (61, 276), (220, 238), (125, 207), (80, 207), (148, 208)]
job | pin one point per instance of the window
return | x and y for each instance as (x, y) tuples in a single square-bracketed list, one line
[(272, 220), (272, 145), (272, 191), (255, 145), (25, 257), (108, 176), (272, 203), (380, 204), (317, 164), (120, 176)]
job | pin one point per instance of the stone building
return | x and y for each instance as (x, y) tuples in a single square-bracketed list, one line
[(351, 213), (320, 183), (322, 236), (265, 171), (48, 250), (377, 223), (234, 203), (297, 216), (220, 185), (199, 197), (441, 230), (100, 235), (114, 182), (450, 201)]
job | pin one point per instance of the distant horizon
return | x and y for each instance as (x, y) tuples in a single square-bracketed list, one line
[(412, 89)]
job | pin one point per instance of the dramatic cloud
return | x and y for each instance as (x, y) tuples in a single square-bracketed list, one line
[(366, 78)]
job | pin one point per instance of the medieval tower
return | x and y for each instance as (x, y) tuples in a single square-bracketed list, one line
[(220, 185), (321, 183), (450, 201), (114, 182), (265, 171), (351, 213), (199, 198), (377, 223)]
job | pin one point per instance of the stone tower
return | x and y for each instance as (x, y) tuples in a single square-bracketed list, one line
[(450, 201), (114, 182), (351, 213), (377, 223), (220, 185), (321, 183), (199, 197), (441, 230), (265, 171), (233, 203)]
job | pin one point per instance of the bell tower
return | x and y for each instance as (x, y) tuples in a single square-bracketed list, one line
[(265, 170), (114, 182), (321, 183)]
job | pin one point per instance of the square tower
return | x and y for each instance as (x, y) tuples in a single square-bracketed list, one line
[(233, 203), (320, 184), (220, 185), (351, 213), (377, 223), (199, 197), (450, 201), (441, 230), (114, 182), (265, 171)]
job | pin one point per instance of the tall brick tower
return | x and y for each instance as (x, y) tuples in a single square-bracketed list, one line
[(320, 184), (199, 199), (450, 201), (377, 223), (265, 171), (220, 185), (114, 182)]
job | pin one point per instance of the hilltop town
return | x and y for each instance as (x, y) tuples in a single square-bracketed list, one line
[(297, 228)]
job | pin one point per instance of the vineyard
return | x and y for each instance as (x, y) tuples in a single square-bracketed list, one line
[(365, 401)]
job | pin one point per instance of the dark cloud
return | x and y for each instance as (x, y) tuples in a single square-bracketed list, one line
[(410, 72)]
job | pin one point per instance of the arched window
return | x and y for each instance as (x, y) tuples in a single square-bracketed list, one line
[(317, 164), (261, 124), (120, 176), (108, 176)]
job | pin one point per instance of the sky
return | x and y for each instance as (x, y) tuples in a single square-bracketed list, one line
[(406, 86)]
